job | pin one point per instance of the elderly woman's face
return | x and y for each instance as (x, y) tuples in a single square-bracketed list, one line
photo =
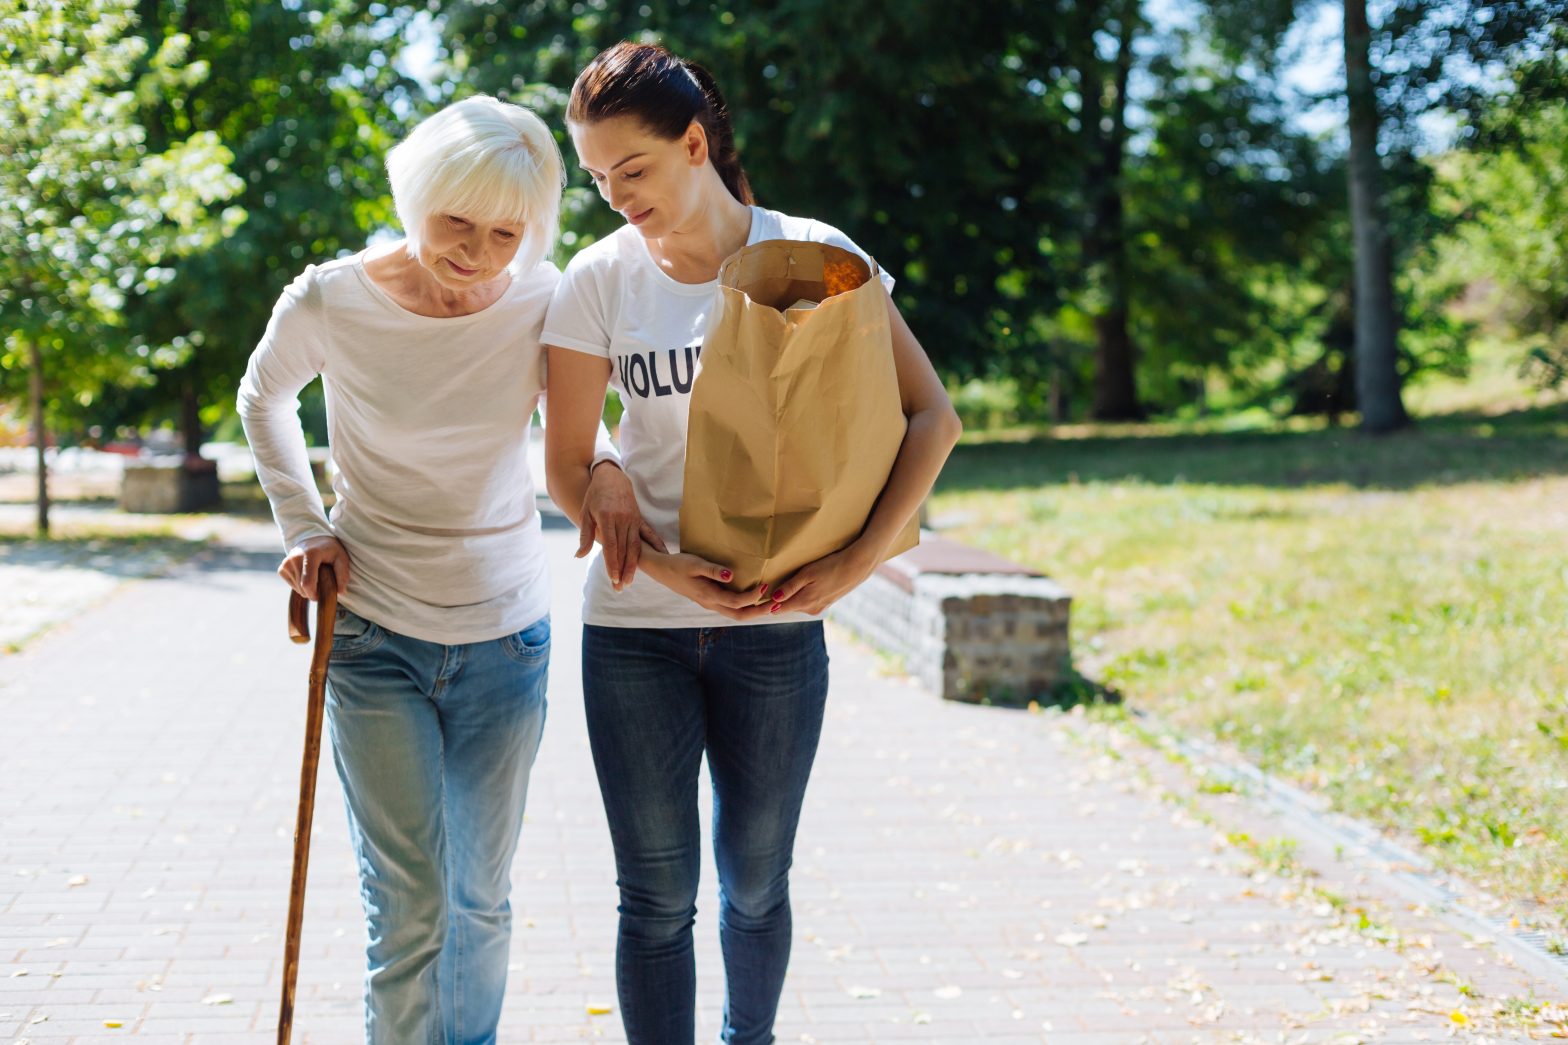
[(462, 253), (651, 182)]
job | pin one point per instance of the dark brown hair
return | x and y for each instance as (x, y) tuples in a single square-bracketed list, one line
[(665, 94)]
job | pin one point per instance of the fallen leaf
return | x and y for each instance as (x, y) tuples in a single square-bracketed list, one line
[(113, 1023), (864, 992), (600, 1010), (1072, 939), (218, 999), (948, 993), (76, 880)]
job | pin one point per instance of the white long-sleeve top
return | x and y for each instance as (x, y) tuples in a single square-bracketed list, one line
[(428, 420)]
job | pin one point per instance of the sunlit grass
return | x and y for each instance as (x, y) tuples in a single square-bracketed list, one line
[(1379, 620)]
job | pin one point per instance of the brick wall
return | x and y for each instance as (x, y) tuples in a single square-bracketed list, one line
[(970, 637)]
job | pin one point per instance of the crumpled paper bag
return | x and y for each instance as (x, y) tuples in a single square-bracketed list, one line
[(795, 416)]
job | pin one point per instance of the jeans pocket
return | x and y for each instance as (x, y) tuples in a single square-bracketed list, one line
[(530, 644), (353, 635)]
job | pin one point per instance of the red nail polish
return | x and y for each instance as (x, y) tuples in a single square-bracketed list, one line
[(777, 596), (775, 608), (763, 590), (726, 575)]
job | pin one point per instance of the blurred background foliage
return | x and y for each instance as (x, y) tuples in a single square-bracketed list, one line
[(1114, 210)]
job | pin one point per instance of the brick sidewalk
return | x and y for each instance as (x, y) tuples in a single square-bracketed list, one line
[(963, 874)]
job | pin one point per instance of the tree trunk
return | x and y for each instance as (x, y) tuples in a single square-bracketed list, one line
[(190, 420), (1056, 396), (1377, 359), (40, 433), (1115, 387), (1115, 379)]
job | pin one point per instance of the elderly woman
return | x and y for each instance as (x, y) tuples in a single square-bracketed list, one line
[(429, 350)]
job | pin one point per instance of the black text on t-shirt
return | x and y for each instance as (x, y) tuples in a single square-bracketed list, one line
[(646, 374)]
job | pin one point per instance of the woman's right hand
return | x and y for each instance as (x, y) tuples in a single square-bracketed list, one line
[(302, 565), (702, 582)]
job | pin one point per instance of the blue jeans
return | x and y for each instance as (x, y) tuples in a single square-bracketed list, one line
[(433, 745), (656, 699)]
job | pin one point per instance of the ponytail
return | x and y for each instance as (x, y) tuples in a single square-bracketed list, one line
[(721, 135), (665, 94)]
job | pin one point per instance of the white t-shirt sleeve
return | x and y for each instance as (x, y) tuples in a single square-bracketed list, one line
[(291, 353), (578, 318), (575, 320)]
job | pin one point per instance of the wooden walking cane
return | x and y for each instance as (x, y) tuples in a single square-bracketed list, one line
[(299, 631)]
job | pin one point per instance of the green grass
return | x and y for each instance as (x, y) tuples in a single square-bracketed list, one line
[(1379, 620)]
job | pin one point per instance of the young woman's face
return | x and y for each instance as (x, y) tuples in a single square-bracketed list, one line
[(463, 253), (652, 183)]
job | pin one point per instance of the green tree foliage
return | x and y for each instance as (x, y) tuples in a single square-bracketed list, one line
[(307, 98), (1512, 236), (1420, 57), (1229, 215), (1069, 198), (939, 136), (90, 213)]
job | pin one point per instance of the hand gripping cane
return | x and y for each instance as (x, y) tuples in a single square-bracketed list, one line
[(299, 631)]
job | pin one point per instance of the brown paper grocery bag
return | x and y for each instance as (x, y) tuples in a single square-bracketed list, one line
[(795, 416)]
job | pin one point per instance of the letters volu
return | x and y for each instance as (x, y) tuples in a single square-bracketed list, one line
[(641, 373)]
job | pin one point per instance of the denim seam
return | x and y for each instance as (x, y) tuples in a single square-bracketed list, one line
[(522, 653), (436, 691), (446, 851), (532, 656), (374, 636)]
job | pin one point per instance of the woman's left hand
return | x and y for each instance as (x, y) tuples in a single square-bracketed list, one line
[(610, 515), (818, 585)]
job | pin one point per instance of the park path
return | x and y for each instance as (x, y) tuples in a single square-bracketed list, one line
[(964, 874)]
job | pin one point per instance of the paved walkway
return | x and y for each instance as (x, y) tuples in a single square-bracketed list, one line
[(963, 874)]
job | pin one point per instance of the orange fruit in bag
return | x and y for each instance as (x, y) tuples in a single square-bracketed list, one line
[(839, 277)]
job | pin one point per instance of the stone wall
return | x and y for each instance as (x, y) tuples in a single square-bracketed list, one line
[(169, 485), (970, 636)]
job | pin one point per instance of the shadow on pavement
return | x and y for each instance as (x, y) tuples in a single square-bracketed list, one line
[(124, 557)]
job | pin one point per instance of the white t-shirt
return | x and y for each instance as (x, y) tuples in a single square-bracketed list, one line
[(615, 302), (429, 421)]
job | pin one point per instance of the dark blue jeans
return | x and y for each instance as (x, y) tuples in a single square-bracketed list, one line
[(658, 698)]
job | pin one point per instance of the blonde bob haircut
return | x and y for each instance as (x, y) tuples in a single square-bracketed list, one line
[(485, 160)]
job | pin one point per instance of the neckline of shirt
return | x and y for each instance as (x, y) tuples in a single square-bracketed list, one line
[(388, 301), (640, 247)]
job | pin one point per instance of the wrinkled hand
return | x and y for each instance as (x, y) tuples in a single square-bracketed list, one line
[(818, 585), (303, 565), (703, 582), (611, 516)]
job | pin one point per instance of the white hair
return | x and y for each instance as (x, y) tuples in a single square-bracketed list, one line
[(487, 161)]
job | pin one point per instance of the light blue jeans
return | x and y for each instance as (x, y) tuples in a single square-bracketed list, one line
[(433, 745)]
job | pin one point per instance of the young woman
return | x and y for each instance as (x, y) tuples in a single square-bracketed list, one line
[(674, 664), (429, 351)]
